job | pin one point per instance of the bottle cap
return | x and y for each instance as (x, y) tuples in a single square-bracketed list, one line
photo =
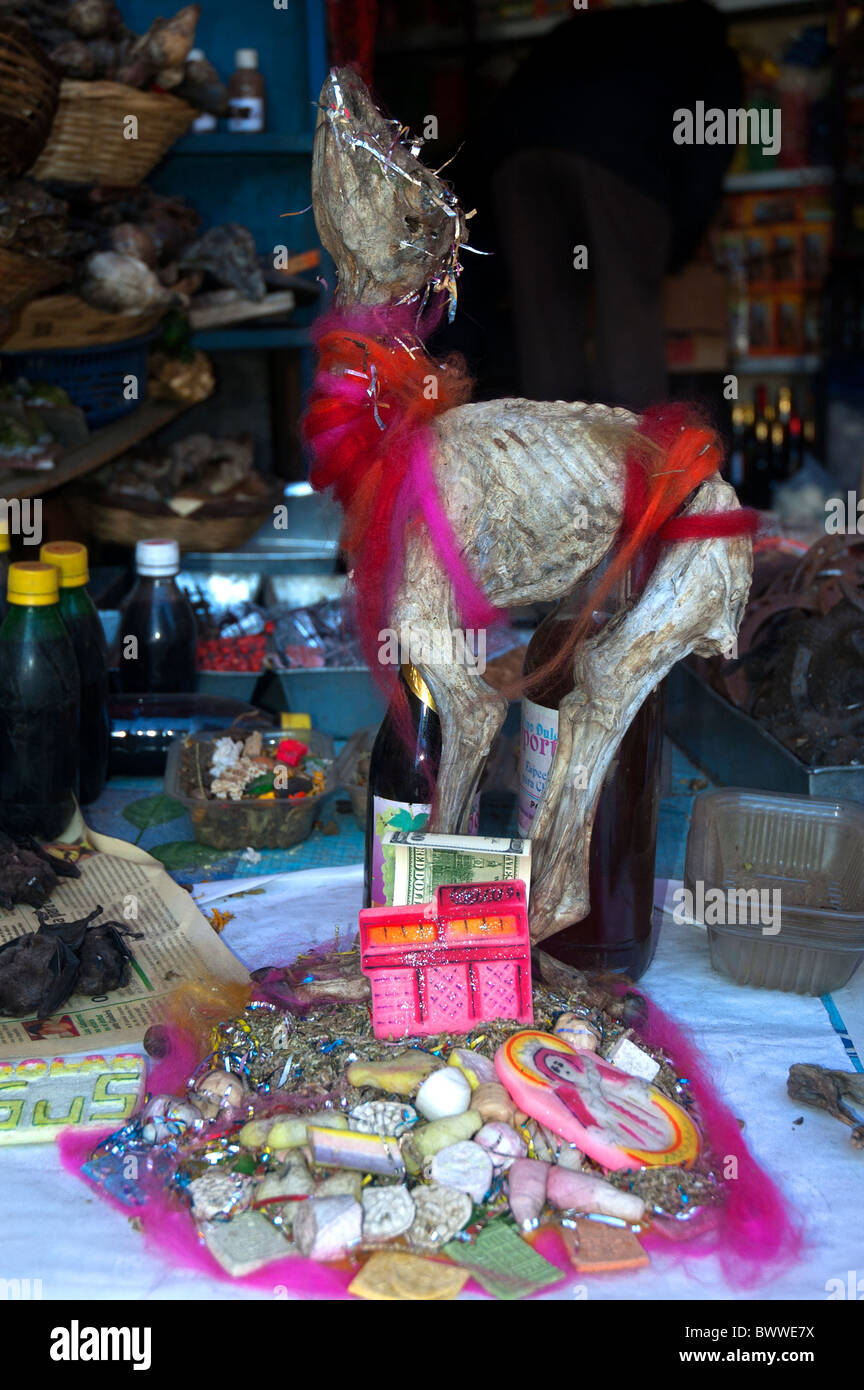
[(32, 584), (246, 58), (70, 558), (157, 558)]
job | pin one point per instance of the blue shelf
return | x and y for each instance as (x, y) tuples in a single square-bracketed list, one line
[(233, 144), (234, 339)]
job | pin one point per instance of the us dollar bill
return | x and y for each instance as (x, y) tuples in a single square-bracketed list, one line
[(416, 863)]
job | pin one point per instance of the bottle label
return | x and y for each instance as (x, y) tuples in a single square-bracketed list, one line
[(537, 749), (391, 815), (400, 815), (247, 113)]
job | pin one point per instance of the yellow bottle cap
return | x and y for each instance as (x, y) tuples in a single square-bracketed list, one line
[(32, 584), (289, 720), (4, 540), (70, 558)]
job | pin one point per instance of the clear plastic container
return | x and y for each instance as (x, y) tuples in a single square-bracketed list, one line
[(812, 854), (255, 824)]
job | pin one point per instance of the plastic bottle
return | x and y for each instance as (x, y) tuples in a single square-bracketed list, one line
[(88, 639), (39, 708), (4, 569), (618, 934), (159, 617), (246, 103)]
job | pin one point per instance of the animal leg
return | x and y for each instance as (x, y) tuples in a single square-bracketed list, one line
[(694, 601), (471, 715)]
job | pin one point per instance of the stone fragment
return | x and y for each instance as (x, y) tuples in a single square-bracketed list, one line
[(446, 1092), (326, 1228)]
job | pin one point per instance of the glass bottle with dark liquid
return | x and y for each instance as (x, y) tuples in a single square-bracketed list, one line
[(618, 933), (159, 617), (39, 707), (88, 640), (402, 777)]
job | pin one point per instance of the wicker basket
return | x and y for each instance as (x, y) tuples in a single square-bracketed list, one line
[(65, 321), (87, 142), (217, 525), (23, 277), (29, 92)]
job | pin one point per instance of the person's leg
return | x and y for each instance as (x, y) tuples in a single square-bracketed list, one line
[(538, 223), (628, 245)]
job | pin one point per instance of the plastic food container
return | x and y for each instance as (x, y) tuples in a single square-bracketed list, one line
[(246, 824), (812, 854)]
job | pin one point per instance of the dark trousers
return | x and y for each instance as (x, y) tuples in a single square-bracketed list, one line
[(547, 204)]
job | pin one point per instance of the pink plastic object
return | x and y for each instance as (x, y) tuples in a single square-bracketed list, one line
[(445, 966), (618, 1120)]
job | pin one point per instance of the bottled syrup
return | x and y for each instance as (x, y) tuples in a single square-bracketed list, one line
[(618, 934), (39, 708), (88, 640), (159, 618)]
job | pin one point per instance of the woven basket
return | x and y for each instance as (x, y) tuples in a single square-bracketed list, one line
[(29, 91), (65, 321), (23, 277), (215, 526), (87, 142)]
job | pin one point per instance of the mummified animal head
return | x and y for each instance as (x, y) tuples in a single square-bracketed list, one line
[(391, 225)]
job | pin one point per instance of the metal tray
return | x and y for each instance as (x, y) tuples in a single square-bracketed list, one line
[(738, 752)]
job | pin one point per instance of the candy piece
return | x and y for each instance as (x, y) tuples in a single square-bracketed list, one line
[(326, 1228), (618, 1120), (341, 1184), (474, 1065), (446, 1092), (388, 1117), (283, 1132), (526, 1188), (369, 1153), (502, 1143), (387, 1212), (219, 1194), (217, 1091), (441, 1212), (578, 1032), (630, 1058), (584, 1192), (594, 1247), (491, 1100), (428, 1139), (402, 1076), (291, 751), (398, 1276), (465, 1166), (245, 1243)]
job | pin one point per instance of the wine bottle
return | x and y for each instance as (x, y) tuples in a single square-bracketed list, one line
[(618, 933), (737, 470), (402, 775)]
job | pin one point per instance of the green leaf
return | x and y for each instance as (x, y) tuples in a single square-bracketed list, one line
[(153, 810), (183, 854)]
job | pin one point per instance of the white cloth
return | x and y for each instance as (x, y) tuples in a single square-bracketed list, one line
[(54, 1228)]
